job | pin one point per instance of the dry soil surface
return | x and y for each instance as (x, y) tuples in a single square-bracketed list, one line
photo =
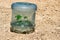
[(47, 21)]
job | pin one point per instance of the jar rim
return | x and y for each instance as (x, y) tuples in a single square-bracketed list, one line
[(24, 4)]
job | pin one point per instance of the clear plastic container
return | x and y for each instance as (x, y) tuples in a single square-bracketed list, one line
[(23, 17)]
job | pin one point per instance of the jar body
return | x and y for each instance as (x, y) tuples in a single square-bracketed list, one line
[(23, 18)]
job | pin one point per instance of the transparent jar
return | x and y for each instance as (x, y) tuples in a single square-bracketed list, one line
[(23, 17)]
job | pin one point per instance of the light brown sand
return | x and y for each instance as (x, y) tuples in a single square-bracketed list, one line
[(47, 21)]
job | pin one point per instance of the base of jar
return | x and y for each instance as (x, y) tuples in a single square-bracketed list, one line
[(23, 32)]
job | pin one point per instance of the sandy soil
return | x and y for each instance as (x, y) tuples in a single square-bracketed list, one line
[(47, 21)]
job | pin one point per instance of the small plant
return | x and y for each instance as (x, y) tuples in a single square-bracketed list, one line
[(18, 17), (25, 22)]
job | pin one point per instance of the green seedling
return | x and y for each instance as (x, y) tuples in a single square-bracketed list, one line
[(18, 17), (24, 22)]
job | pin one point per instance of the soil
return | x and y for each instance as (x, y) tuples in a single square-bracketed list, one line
[(47, 21)]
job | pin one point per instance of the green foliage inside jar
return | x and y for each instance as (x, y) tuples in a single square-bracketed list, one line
[(25, 22)]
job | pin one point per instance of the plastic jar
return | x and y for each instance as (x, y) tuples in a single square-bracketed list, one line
[(23, 17)]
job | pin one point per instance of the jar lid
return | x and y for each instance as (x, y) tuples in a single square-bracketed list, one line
[(24, 4)]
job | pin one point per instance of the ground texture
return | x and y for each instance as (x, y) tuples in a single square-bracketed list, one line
[(47, 21)]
